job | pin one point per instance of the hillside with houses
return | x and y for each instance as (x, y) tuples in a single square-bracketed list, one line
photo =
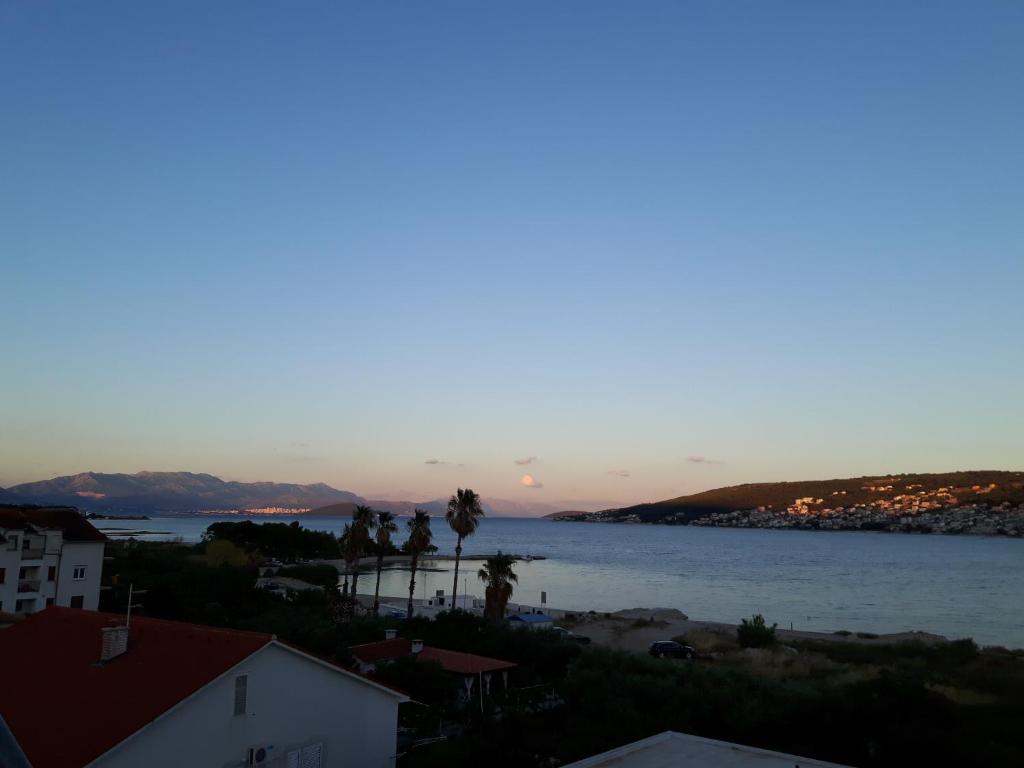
[(981, 502)]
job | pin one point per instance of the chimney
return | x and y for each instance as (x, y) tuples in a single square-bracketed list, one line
[(390, 634), (417, 646), (115, 642)]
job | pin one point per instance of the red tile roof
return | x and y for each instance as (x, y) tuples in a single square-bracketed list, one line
[(450, 661), (66, 709), (68, 519)]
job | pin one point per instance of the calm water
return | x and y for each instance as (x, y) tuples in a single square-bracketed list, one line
[(959, 586)]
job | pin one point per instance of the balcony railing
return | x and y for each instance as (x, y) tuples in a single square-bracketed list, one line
[(28, 585), (33, 554)]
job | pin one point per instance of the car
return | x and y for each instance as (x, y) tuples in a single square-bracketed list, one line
[(670, 649), (565, 634)]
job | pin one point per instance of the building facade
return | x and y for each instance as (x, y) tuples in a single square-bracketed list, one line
[(48, 556), (165, 694)]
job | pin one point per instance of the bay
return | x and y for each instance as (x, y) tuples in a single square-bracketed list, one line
[(958, 586)]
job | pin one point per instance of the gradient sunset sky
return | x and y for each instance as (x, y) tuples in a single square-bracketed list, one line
[(565, 252)]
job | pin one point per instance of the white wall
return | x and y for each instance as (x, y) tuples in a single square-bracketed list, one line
[(292, 702), (89, 554), (9, 561)]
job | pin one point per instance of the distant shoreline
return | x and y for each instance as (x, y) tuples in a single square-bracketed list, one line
[(980, 531)]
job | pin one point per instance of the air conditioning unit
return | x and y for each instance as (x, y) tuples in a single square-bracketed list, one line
[(259, 754)]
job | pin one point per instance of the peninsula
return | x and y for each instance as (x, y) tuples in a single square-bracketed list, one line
[(979, 502)]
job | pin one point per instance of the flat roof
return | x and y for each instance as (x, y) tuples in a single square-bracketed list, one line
[(671, 749)]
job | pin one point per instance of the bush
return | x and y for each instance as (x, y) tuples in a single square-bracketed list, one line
[(755, 633), (322, 575)]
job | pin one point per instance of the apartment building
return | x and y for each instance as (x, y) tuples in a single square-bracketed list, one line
[(48, 556)]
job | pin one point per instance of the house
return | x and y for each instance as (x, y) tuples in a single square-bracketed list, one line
[(87, 690), (681, 749), (531, 621), (481, 677), (48, 556)]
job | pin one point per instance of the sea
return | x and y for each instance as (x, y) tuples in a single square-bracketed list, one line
[(826, 581)]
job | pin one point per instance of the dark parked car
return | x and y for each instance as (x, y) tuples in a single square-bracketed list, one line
[(670, 649)]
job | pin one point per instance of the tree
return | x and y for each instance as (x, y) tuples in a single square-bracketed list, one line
[(349, 553), (420, 537), (224, 552), (463, 516), (497, 574), (363, 521), (385, 527), (755, 632)]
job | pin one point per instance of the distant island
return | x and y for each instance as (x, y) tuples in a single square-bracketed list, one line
[(979, 502)]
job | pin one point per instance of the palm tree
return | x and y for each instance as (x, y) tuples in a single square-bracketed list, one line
[(364, 520), (463, 516), (420, 537), (497, 574), (385, 527), (349, 554)]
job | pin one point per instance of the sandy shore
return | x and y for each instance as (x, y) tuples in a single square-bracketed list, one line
[(635, 629)]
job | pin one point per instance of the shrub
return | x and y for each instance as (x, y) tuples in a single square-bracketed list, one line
[(755, 633), (322, 575)]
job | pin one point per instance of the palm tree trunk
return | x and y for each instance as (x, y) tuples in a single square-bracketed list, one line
[(412, 585), (458, 556), (376, 591), (355, 579)]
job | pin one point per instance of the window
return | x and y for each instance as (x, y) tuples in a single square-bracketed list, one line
[(51, 573), (12, 543), (241, 692), (78, 601), (78, 574), (310, 757), (3, 575)]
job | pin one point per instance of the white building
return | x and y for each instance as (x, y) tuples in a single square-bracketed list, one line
[(165, 694), (48, 556), (681, 750)]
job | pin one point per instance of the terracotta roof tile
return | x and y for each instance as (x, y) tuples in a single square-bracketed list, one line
[(450, 661), (65, 708)]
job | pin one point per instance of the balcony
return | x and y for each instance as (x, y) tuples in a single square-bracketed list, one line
[(28, 585), (33, 554)]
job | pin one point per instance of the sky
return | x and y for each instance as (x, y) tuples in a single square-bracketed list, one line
[(572, 253)]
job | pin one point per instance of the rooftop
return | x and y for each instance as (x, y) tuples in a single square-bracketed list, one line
[(672, 750), (531, 618), (101, 704), (450, 661), (22, 517)]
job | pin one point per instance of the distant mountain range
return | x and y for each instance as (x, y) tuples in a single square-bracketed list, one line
[(171, 492), (150, 492), (947, 489)]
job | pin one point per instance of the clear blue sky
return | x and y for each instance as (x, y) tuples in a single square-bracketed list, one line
[(334, 241)]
